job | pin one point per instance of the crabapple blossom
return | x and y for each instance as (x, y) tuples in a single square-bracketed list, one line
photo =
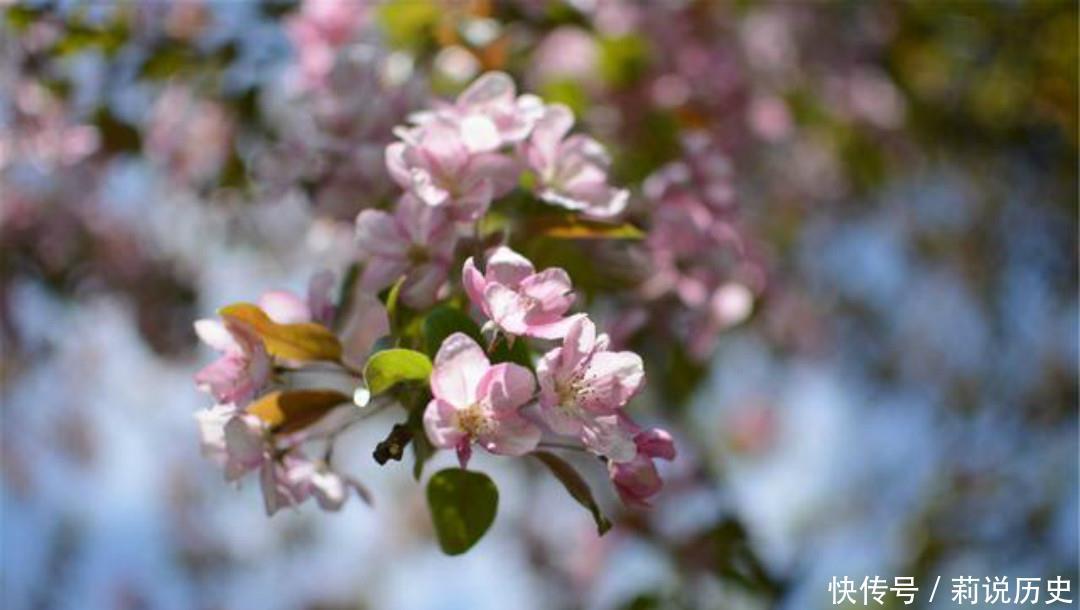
[(637, 480), (293, 478), (477, 402), (571, 170), (518, 300), (582, 382), (285, 307), (416, 241), (243, 368), (488, 113), (435, 163)]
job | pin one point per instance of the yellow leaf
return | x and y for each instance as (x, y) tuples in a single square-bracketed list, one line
[(292, 410), (567, 226), (302, 341)]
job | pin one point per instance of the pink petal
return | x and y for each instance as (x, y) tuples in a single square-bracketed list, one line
[(214, 334), (656, 443), (377, 235), (474, 284), (381, 272), (554, 330), (558, 420), (284, 307), (579, 343), (367, 322), (609, 437), (422, 285), (636, 481), (396, 165), (440, 424), (459, 366), (480, 134), (502, 171), (552, 290), (612, 379), (549, 131), (320, 304), (507, 267), (507, 308), (441, 148), (491, 87), (507, 386), (514, 436)]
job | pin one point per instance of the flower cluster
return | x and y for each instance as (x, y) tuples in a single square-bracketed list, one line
[(241, 433), (583, 386), (453, 162), (696, 250)]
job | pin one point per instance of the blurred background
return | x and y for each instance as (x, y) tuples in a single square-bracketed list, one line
[(902, 400)]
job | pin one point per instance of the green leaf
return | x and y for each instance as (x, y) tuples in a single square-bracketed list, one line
[(576, 486), (463, 505), (444, 321), (518, 353), (623, 59), (389, 367), (568, 226), (304, 341), (293, 410), (393, 306)]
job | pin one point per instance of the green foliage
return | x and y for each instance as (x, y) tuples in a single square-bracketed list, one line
[(409, 24), (444, 321), (566, 91), (463, 504), (623, 59), (392, 366), (575, 486)]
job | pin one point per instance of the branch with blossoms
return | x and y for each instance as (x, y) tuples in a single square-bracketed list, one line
[(492, 357)]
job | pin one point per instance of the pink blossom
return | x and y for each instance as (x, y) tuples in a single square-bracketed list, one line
[(435, 163), (583, 386), (488, 113), (285, 307), (417, 241), (475, 401), (319, 30), (235, 440), (517, 299), (293, 478), (637, 480), (242, 370), (571, 171)]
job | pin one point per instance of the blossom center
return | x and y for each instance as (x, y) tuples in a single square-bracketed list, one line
[(475, 421), (418, 254)]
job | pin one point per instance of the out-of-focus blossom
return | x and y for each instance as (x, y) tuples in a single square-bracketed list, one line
[(637, 480), (286, 307), (319, 30), (434, 163), (477, 402), (293, 478), (517, 299), (568, 52), (571, 170), (581, 383), (366, 323), (235, 440), (244, 367), (488, 113), (416, 241), (188, 136)]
